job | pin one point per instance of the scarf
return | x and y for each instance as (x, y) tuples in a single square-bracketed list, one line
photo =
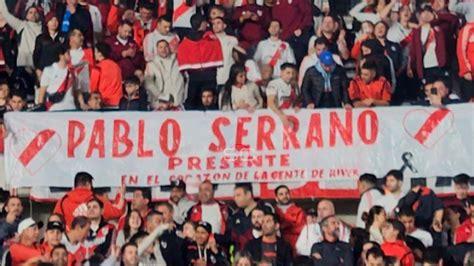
[(326, 76)]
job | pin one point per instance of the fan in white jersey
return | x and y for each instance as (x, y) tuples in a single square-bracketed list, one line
[(281, 94), (82, 59), (57, 84), (370, 195), (161, 32), (228, 43), (393, 182), (274, 51)]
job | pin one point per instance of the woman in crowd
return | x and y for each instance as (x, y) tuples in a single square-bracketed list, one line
[(133, 225), (238, 93)]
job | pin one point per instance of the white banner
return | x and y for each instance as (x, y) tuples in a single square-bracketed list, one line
[(152, 148)]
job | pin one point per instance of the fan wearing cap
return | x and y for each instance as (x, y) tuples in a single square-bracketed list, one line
[(52, 237), (461, 190), (180, 201), (47, 43), (428, 49), (27, 249), (162, 76), (210, 210), (134, 97), (204, 250), (166, 103), (325, 85)]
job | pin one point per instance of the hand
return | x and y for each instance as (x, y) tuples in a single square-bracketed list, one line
[(11, 217), (347, 106), (437, 226), (122, 190), (251, 109), (84, 106), (410, 72), (125, 53), (316, 256), (212, 245), (132, 52), (342, 35), (199, 262), (468, 76), (243, 105), (116, 2), (310, 106), (286, 122), (254, 17), (368, 102), (298, 32)]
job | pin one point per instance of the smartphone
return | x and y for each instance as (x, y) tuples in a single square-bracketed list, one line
[(434, 91)]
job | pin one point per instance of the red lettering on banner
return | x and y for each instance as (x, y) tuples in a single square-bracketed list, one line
[(362, 126), (241, 131), (289, 134), (285, 160), (96, 141), (336, 126), (194, 163), (73, 142), (315, 133), (264, 136), (142, 152), (216, 131), (170, 152), (173, 162), (224, 163), (119, 138), (211, 163)]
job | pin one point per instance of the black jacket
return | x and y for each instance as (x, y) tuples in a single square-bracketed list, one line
[(313, 86), (284, 251), (46, 49), (192, 254), (80, 20), (332, 253), (172, 248), (136, 103)]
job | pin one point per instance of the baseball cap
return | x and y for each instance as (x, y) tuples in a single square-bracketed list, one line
[(55, 225), (326, 58), (27, 223), (461, 179), (165, 97), (311, 211), (207, 226), (178, 184)]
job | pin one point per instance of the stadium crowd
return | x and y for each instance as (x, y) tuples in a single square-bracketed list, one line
[(393, 227), (176, 55)]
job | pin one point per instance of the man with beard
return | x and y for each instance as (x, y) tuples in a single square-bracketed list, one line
[(179, 199), (331, 251), (393, 182), (270, 247), (255, 232), (312, 232), (292, 218), (59, 255)]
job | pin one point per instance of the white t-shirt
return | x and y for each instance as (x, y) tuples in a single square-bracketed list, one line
[(423, 236), (281, 90), (53, 78), (369, 199), (152, 38), (390, 202), (227, 43), (429, 59), (266, 50), (81, 67), (212, 214)]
